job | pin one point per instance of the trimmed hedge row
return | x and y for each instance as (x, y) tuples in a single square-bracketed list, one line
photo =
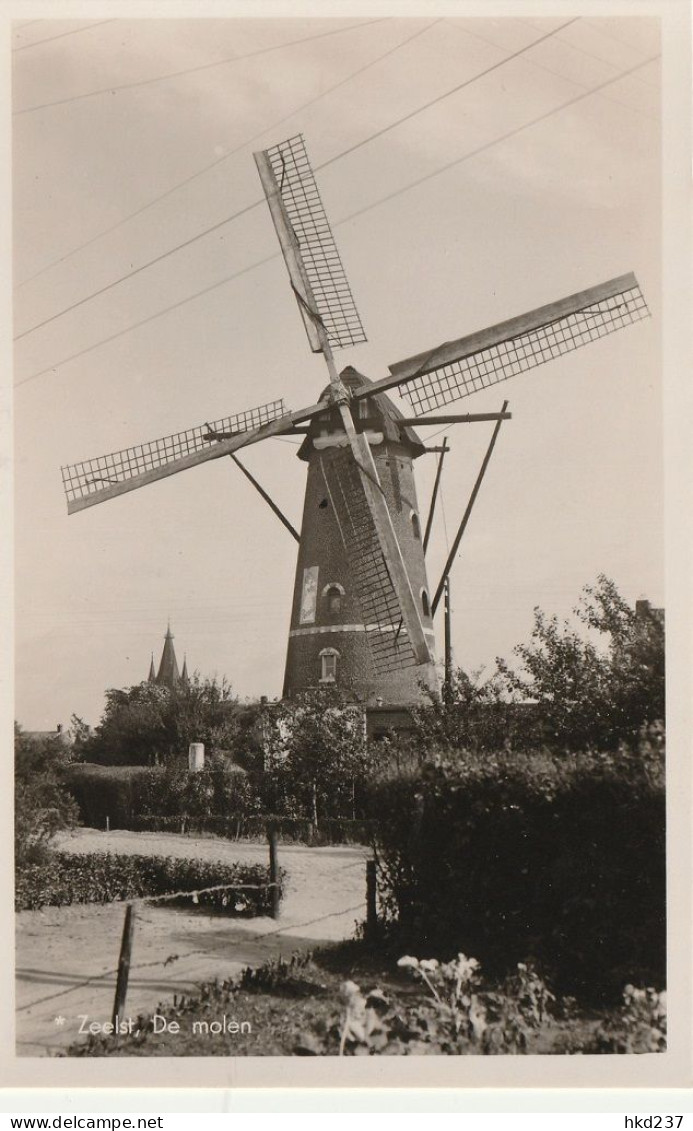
[(331, 830), (557, 859), (217, 801), (101, 877)]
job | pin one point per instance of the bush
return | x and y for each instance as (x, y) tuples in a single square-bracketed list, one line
[(127, 795), (561, 860), (100, 877), (43, 805), (296, 830)]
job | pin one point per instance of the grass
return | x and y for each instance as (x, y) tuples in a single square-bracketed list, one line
[(294, 1007)]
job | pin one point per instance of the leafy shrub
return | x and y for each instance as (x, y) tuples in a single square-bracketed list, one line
[(150, 724), (129, 795), (43, 805), (460, 1014), (641, 1025), (560, 859), (100, 877), (104, 792)]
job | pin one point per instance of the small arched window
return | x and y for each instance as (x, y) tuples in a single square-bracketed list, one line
[(415, 526), (333, 594), (328, 665), (424, 603)]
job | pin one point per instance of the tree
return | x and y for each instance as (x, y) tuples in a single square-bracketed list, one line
[(596, 690), (470, 714), (316, 757), (152, 725), (43, 805)]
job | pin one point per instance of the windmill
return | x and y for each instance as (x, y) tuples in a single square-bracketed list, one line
[(362, 610)]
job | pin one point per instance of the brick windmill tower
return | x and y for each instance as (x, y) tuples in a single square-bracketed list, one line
[(362, 610), (342, 595)]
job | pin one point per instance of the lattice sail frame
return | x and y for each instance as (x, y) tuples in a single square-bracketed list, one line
[(306, 215), (386, 635), (431, 384), (89, 478)]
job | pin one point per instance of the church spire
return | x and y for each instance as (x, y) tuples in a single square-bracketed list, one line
[(168, 674), (151, 678), (184, 677)]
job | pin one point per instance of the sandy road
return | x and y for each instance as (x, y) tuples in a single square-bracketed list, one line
[(66, 957)]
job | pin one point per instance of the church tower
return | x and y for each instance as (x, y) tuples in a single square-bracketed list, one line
[(332, 640), (168, 674)]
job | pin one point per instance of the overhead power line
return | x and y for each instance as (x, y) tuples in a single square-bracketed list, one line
[(353, 215), (63, 34), (460, 86), (227, 156), (195, 70), (337, 157)]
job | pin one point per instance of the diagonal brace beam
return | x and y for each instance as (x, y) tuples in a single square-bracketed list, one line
[(270, 502), (468, 511)]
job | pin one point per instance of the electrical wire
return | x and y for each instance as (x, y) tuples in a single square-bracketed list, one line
[(455, 90), (361, 211), (560, 74), (337, 157), (227, 156), (196, 70), (52, 38)]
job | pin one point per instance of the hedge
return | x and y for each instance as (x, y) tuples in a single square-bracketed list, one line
[(125, 794), (331, 830), (101, 877), (559, 859)]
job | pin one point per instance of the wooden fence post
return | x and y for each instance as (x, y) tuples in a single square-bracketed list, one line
[(371, 905), (123, 965), (274, 870)]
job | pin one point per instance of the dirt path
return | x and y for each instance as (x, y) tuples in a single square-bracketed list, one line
[(66, 956)]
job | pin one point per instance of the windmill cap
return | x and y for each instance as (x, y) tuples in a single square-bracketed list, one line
[(389, 416)]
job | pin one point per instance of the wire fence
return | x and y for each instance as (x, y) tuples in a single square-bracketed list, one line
[(151, 969)]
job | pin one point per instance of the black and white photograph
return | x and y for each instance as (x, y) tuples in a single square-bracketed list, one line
[(341, 580)]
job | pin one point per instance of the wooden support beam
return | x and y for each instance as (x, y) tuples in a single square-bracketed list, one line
[(468, 511), (270, 502), (465, 418), (434, 495), (448, 637)]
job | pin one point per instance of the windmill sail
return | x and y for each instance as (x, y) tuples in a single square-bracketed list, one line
[(95, 480), (310, 252), (331, 318), (457, 369), (386, 633)]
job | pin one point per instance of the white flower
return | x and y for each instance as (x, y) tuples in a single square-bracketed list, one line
[(408, 962), (349, 991), (428, 964)]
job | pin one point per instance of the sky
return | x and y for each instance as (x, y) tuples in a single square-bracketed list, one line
[(457, 198)]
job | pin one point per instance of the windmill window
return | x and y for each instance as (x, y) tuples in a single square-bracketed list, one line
[(328, 665), (416, 526), (424, 603), (364, 408), (333, 594)]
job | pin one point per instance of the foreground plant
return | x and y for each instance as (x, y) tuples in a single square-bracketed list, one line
[(641, 1025), (460, 1015)]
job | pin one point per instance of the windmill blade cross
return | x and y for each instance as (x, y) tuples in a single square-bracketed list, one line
[(105, 477), (310, 252), (459, 368), (331, 318)]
